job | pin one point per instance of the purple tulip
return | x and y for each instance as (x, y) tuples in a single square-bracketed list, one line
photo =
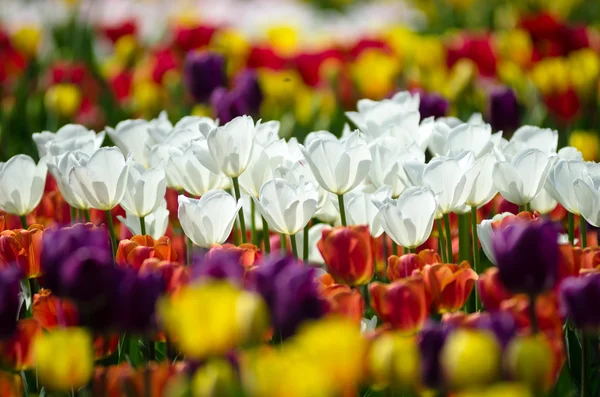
[(290, 291), (137, 297), (504, 110), (527, 255), (431, 341), (9, 300), (580, 297), (244, 98), (203, 73), (432, 105), (219, 264)]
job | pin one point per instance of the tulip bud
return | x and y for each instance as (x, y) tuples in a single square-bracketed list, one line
[(403, 304), (403, 266), (347, 252), (579, 297), (23, 184), (432, 105), (530, 360), (64, 358), (393, 360), (214, 379), (27, 40), (586, 142), (504, 110), (470, 358), (63, 99), (9, 296), (448, 285), (204, 72)]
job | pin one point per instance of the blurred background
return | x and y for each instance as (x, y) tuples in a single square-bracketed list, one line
[(304, 63)]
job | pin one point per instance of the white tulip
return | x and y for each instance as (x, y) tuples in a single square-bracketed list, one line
[(360, 209), (338, 166), (267, 133), (530, 137), (561, 177), (21, 184), (587, 192), (262, 167), (329, 212), (409, 219), (160, 156), (131, 136), (287, 208), (466, 136), (485, 233), (387, 160), (521, 179), (230, 147), (483, 190), (101, 181), (68, 137), (60, 167), (183, 168), (156, 222), (209, 220), (367, 325), (159, 128), (145, 190), (386, 111)]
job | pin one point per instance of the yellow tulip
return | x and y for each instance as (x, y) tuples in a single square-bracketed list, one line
[(393, 361), (64, 358), (551, 75), (515, 45), (147, 97), (374, 73), (530, 360), (126, 48), (216, 378), (27, 39), (63, 99), (283, 38), (499, 390), (587, 142), (584, 68), (212, 318), (470, 358)]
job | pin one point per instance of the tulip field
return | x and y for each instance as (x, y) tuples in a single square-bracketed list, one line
[(317, 198)]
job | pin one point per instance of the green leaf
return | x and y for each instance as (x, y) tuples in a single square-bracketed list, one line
[(134, 350), (566, 386)]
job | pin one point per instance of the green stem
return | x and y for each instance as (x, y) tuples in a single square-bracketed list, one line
[(571, 228), (73, 214), (86, 215), (528, 207), (585, 363), (305, 245), (441, 242), (236, 188), (283, 243), (521, 208), (23, 221), (342, 209), (111, 232), (532, 316), (143, 225), (405, 250), (253, 222), (475, 252), (189, 250), (583, 231), (266, 235), (448, 237), (394, 248), (294, 245)]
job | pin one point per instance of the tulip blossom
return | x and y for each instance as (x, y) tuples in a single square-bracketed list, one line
[(156, 222), (483, 190), (60, 167), (189, 172), (403, 304), (230, 147), (474, 137), (561, 180), (544, 202), (51, 311), (67, 138), (342, 299), (135, 251), (101, 181), (209, 220), (286, 207), (362, 211), (338, 166), (409, 219), (64, 358), (491, 291), (23, 248), (386, 111), (531, 361), (587, 193), (21, 184), (448, 285), (144, 191), (529, 137), (579, 297), (17, 351), (204, 72), (394, 361), (522, 178), (527, 256), (262, 167), (400, 267), (347, 252)]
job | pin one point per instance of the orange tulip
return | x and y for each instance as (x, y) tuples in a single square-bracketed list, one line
[(570, 261), (342, 299), (175, 275), (133, 252), (403, 304), (448, 285), (51, 311), (590, 259), (382, 248), (249, 253), (17, 352), (122, 378), (491, 291), (546, 310), (404, 266), (24, 248), (348, 253)]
